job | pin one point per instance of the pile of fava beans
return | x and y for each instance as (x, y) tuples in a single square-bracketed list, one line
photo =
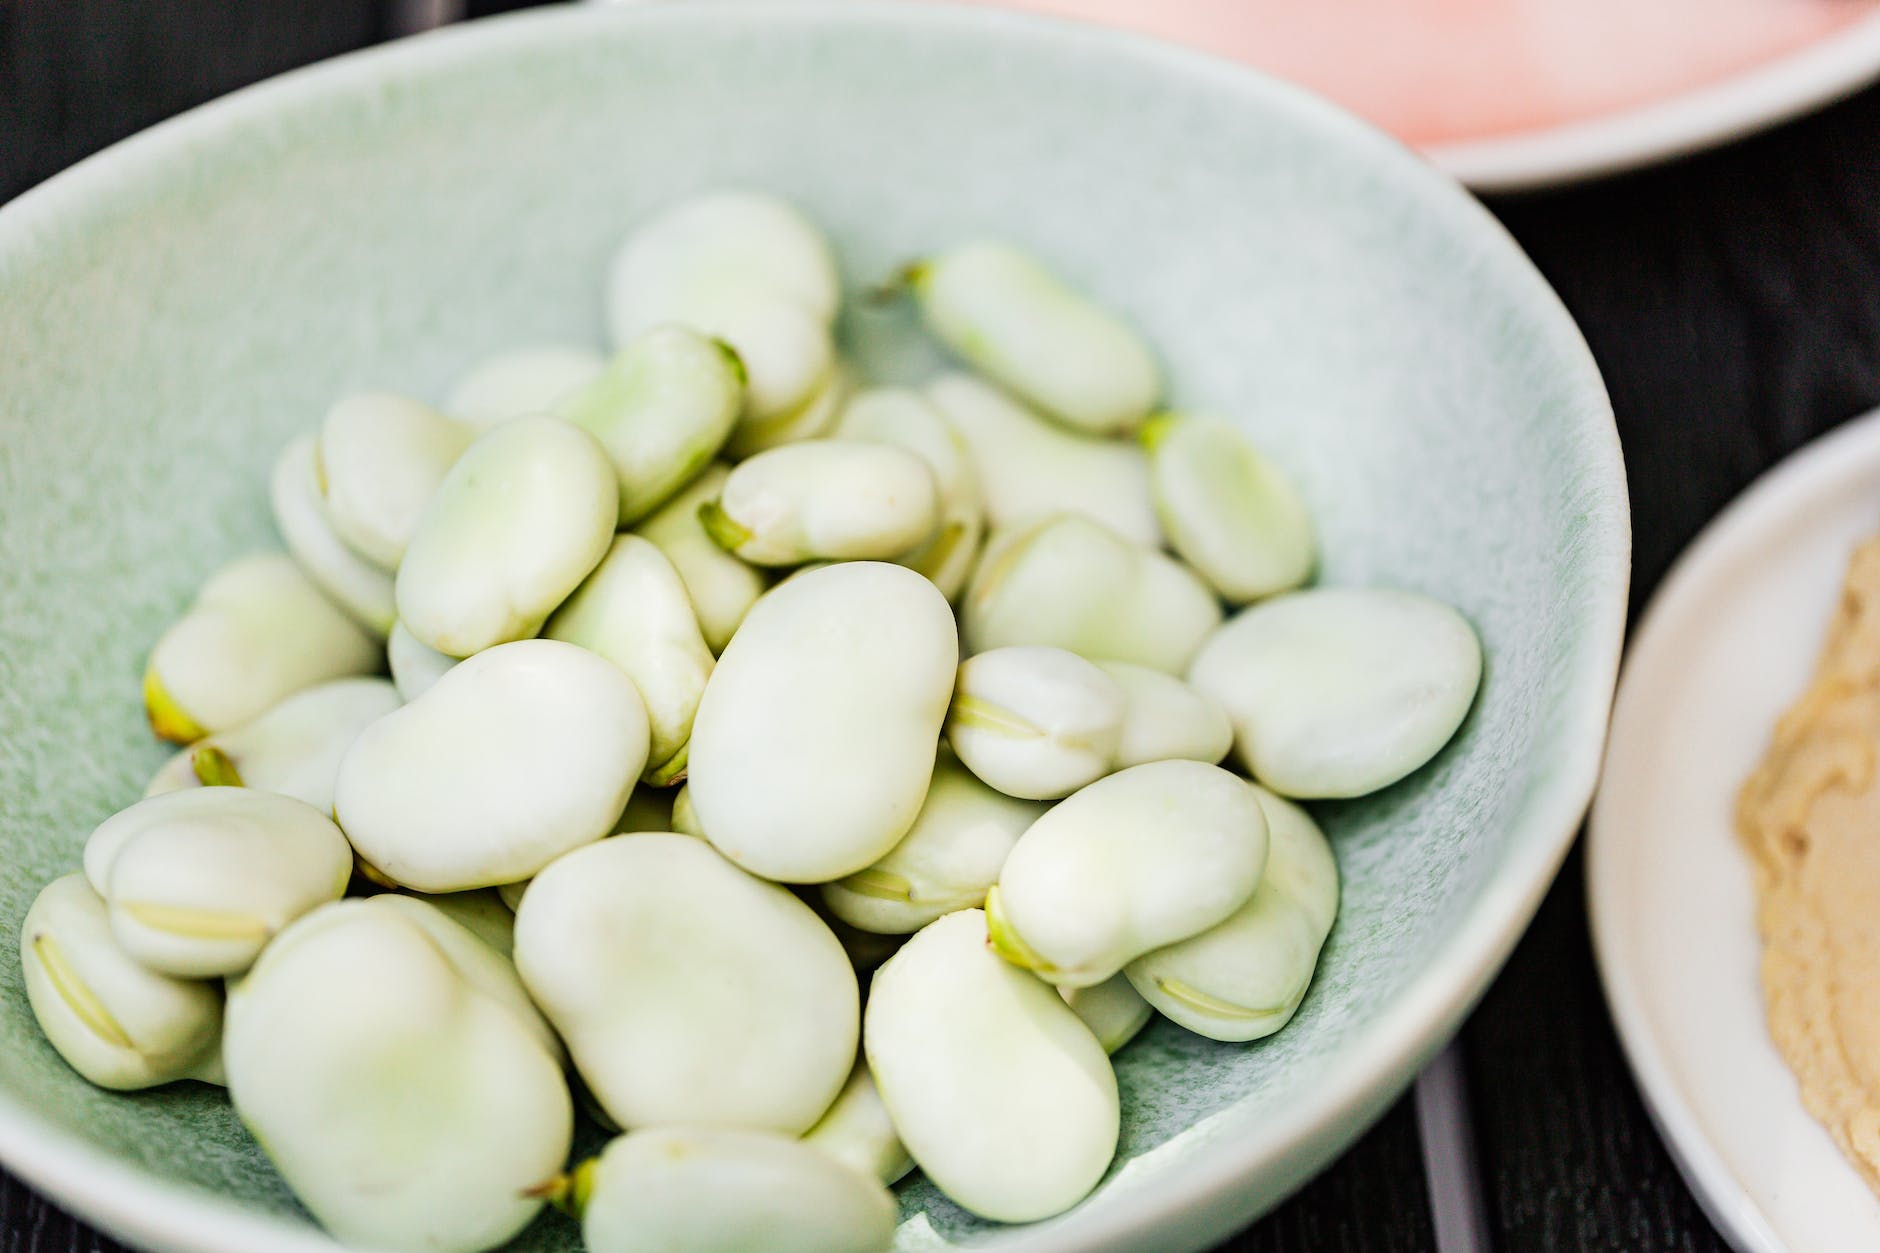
[(818, 782)]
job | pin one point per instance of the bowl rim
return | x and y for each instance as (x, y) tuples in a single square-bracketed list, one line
[(1679, 124), (1356, 1082)]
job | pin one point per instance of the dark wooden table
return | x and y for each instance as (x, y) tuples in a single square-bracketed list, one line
[(1733, 302)]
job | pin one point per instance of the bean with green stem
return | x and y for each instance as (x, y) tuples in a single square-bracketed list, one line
[(257, 632), (1228, 510), (294, 748), (1035, 721), (837, 499), (745, 268), (1004, 312)]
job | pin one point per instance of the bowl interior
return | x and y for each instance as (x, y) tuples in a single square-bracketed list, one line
[(176, 309)]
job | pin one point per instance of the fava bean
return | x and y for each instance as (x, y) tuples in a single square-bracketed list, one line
[(521, 381), (839, 499), (1165, 718), (1035, 721), (1244, 978), (1138, 860), (117, 1022), (515, 526), (689, 992), (815, 741), (745, 268), (946, 861), (197, 882), (1075, 584), (258, 632), (726, 1190), (722, 588), (352, 582), (721, 240), (633, 610), (1000, 309), (1228, 511), (1341, 691), (293, 748), (899, 416), (516, 756), (1113, 1010), (857, 1132), (1029, 467), (415, 665), (1000, 1093), (378, 459), (405, 1105), (662, 409)]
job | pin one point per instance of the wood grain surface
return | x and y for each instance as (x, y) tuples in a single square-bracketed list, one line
[(1733, 302)]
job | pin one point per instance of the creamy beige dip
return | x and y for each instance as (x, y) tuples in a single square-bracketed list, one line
[(1810, 818)]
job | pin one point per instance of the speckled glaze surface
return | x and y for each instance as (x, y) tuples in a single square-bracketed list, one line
[(176, 308)]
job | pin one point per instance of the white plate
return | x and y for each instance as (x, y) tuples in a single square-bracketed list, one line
[(1809, 78), (1729, 641)]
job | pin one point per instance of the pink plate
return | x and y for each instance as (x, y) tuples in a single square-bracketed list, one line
[(1524, 93)]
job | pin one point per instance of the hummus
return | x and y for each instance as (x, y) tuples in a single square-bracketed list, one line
[(1810, 818)]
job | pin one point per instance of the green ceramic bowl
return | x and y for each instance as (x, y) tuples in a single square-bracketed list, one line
[(177, 307)]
